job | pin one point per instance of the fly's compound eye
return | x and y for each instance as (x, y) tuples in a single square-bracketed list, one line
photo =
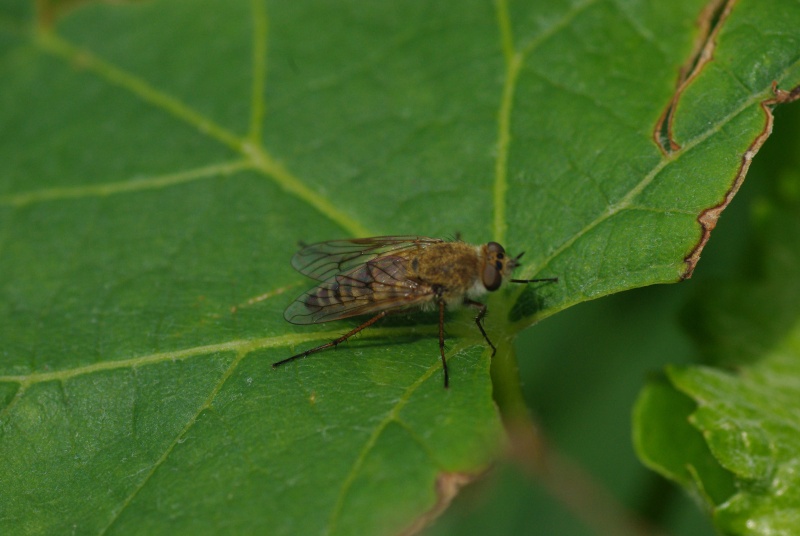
[(491, 277), (494, 247)]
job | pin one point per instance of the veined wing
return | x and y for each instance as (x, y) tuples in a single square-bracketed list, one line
[(376, 285), (324, 260)]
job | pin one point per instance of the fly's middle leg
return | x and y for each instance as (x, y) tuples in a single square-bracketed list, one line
[(481, 307)]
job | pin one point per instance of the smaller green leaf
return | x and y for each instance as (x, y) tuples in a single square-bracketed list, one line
[(747, 419), (751, 424), (661, 416)]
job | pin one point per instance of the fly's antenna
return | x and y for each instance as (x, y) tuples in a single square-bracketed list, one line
[(516, 263), (550, 279)]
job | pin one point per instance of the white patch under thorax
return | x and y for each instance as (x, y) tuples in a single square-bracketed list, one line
[(477, 289)]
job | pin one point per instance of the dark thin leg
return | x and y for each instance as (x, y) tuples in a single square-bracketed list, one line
[(334, 343), (481, 307), (549, 279), (441, 343)]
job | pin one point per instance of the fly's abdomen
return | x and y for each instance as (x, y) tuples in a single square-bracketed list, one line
[(344, 289)]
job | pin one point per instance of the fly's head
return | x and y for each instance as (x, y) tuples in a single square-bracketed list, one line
[(497, 264)]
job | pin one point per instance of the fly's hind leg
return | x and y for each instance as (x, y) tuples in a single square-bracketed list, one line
[(481, 307), (334, 343)]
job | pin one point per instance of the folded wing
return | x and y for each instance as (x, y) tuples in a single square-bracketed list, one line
[(379, 284), (324, 260)]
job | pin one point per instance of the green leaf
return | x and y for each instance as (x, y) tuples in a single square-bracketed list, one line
[(745, 418), (161, 161), (661, 417)]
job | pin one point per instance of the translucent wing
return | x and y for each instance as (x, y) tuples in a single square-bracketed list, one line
[(376, 285), (324, 260)]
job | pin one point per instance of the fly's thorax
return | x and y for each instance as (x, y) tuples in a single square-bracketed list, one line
[(452, 266)]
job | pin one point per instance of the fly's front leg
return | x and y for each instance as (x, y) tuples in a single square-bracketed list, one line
[(441, 342), (334, 343), (481, 307)]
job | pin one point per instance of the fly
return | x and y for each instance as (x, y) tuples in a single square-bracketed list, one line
[(383, 275)]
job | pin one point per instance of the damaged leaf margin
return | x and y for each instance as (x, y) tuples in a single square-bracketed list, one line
[(448, 485), (710, 22), (709, 217)]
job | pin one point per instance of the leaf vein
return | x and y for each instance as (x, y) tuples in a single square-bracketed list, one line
[(627, 202), (391, 416), (134, 185), (239, 345), (163, 458), (514, 61), (261, 159)]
